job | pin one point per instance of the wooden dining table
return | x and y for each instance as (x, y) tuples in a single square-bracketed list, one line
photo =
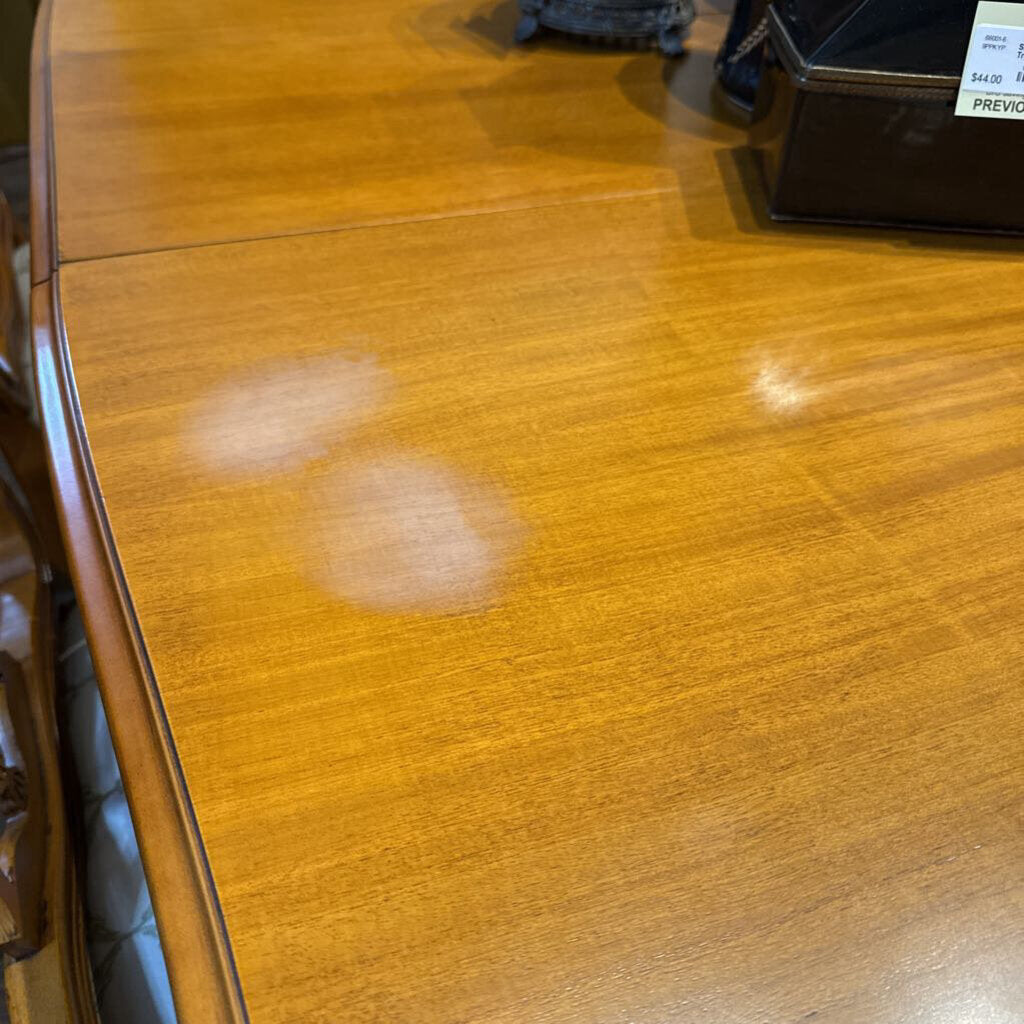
[(526, 584)]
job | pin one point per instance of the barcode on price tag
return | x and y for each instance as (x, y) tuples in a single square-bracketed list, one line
[(992, 84)]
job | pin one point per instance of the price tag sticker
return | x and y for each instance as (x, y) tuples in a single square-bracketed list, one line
[(992, 84)]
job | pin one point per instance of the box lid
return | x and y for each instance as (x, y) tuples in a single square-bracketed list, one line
[(906, 42)]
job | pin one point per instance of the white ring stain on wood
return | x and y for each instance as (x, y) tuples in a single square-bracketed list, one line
[(273, 418), (406, 532)]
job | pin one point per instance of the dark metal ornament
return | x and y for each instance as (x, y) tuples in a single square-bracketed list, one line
[(739, 62), (621, 21)]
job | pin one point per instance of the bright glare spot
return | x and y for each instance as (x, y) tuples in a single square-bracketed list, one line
[(780, 390)]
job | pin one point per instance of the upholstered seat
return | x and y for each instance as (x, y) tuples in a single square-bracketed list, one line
[(128, 965)]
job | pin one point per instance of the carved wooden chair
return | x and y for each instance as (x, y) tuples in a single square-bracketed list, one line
[(21, 442), (42, 936), (12, 326)]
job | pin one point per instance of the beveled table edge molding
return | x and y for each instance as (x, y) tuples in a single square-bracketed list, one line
[(204, 981)]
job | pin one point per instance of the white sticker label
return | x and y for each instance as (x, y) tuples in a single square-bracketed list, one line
[(992, 84)]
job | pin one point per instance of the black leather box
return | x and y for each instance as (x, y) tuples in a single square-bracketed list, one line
[(854, 119)]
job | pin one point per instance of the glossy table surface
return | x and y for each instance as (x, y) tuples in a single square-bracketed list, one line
[(572, 598)]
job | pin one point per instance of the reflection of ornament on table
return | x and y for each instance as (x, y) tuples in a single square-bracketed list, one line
[(621, 21)]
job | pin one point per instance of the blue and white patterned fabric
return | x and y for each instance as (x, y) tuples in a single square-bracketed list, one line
[(127, 961)]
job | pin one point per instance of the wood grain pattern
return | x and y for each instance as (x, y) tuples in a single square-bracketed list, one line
[(602, 607), (191, 931), (739, 733), (184, 123)]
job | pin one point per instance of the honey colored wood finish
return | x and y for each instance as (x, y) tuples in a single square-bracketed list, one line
[(182, 123), (739, 732), (191, 931), (602, 607)]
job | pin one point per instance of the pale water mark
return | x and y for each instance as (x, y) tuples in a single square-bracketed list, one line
[(272, 418), (387, 530), (408, 532)]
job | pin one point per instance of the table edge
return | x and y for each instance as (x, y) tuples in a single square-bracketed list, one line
[(204, 981)]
